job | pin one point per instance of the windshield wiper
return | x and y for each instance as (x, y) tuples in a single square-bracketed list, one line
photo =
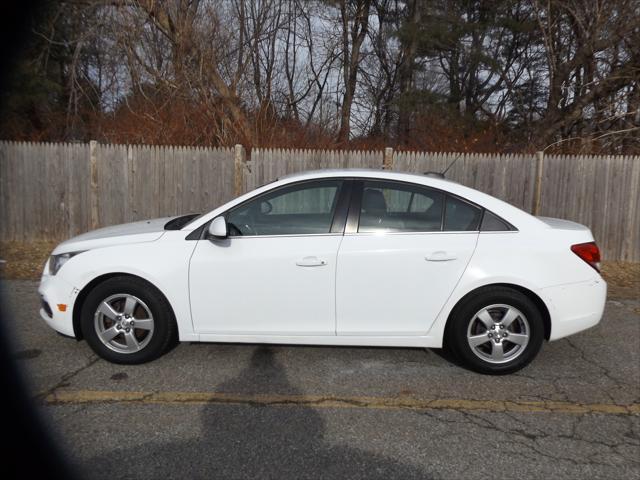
[(179, 222)]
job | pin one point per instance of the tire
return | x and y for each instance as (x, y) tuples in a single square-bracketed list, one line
[(495, 331), (127, 320)]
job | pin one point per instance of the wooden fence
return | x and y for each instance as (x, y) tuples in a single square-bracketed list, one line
[(53, 191)]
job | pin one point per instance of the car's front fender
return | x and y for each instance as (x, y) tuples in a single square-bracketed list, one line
[(163, 263)]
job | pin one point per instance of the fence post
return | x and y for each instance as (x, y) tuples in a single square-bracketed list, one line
[(387, 160), (93, 190), (537, 186), (239, 160)]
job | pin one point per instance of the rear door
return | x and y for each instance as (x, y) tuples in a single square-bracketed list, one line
[(404, 250)]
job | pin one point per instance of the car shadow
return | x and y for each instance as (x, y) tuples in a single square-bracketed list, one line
[(447, 355), (252, 441)]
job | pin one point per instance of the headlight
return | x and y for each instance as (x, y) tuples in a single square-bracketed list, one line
[(56, 261)]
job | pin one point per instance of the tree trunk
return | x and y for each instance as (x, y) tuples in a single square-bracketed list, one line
[(351, 60), (406, 72)]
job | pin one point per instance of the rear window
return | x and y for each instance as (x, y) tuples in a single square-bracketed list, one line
[(389, 206), (397, 207)]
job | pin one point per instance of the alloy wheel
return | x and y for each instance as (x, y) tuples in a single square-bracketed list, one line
[(498, 333), (124, 323)]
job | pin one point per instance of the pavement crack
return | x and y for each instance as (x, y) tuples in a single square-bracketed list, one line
[(535, 441), (64, 379), (605, 371)]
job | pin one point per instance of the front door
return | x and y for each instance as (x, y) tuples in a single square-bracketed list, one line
[(275, 274)]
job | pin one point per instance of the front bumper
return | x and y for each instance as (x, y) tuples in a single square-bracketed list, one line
[(54, 292), (575, 307)]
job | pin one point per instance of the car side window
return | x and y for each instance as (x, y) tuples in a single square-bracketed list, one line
[(395, 207), (461, 216), (301, 209), (493, 223)]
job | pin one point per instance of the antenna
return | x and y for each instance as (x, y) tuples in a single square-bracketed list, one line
[(451, 164), (441, 174)]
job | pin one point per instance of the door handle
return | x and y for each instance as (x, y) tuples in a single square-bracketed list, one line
[(440, 256), (311, 262)]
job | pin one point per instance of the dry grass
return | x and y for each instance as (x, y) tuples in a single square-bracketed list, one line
[(623, 279), (26, 260)]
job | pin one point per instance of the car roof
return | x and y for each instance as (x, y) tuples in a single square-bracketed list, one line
[(336, 171), (368, 173)]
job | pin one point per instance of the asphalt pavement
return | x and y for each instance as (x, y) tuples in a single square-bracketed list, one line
[(248, 411)]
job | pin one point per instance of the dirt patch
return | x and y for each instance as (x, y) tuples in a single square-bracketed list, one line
[(25, 261), (623, 279)]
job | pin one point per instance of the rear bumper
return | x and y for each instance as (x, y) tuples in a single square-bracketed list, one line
[(53, 292), (575, 307)]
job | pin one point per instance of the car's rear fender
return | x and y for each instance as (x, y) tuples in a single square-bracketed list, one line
[(536, 262)]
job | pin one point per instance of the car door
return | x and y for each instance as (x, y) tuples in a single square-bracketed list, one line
[(275, 274), (405, 248)]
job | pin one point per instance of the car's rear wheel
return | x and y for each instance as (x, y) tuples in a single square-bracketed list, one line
[(496, 330), (126, 320)]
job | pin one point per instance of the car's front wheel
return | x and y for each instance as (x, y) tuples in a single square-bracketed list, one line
[(126, 320), (496, 330)]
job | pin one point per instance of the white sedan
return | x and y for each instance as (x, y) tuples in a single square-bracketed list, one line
[(339, 257)]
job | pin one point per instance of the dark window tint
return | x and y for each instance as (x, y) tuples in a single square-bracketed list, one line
[(300, 209), (395, 207), (493, 223), (460, 216)]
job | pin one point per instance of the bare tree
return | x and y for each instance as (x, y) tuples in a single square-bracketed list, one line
[(537, 73), (593, 66)]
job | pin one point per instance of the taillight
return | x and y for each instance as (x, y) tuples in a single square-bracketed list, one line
[(589, 252)]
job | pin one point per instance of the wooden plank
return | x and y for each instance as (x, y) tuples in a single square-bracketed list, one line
[(631, 240), (94, 181), (4, 189)]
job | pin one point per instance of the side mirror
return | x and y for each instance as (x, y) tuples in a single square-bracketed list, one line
[(218, 228)]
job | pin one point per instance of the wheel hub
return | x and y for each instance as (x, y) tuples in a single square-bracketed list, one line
[(498, 333), (125, 321)]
